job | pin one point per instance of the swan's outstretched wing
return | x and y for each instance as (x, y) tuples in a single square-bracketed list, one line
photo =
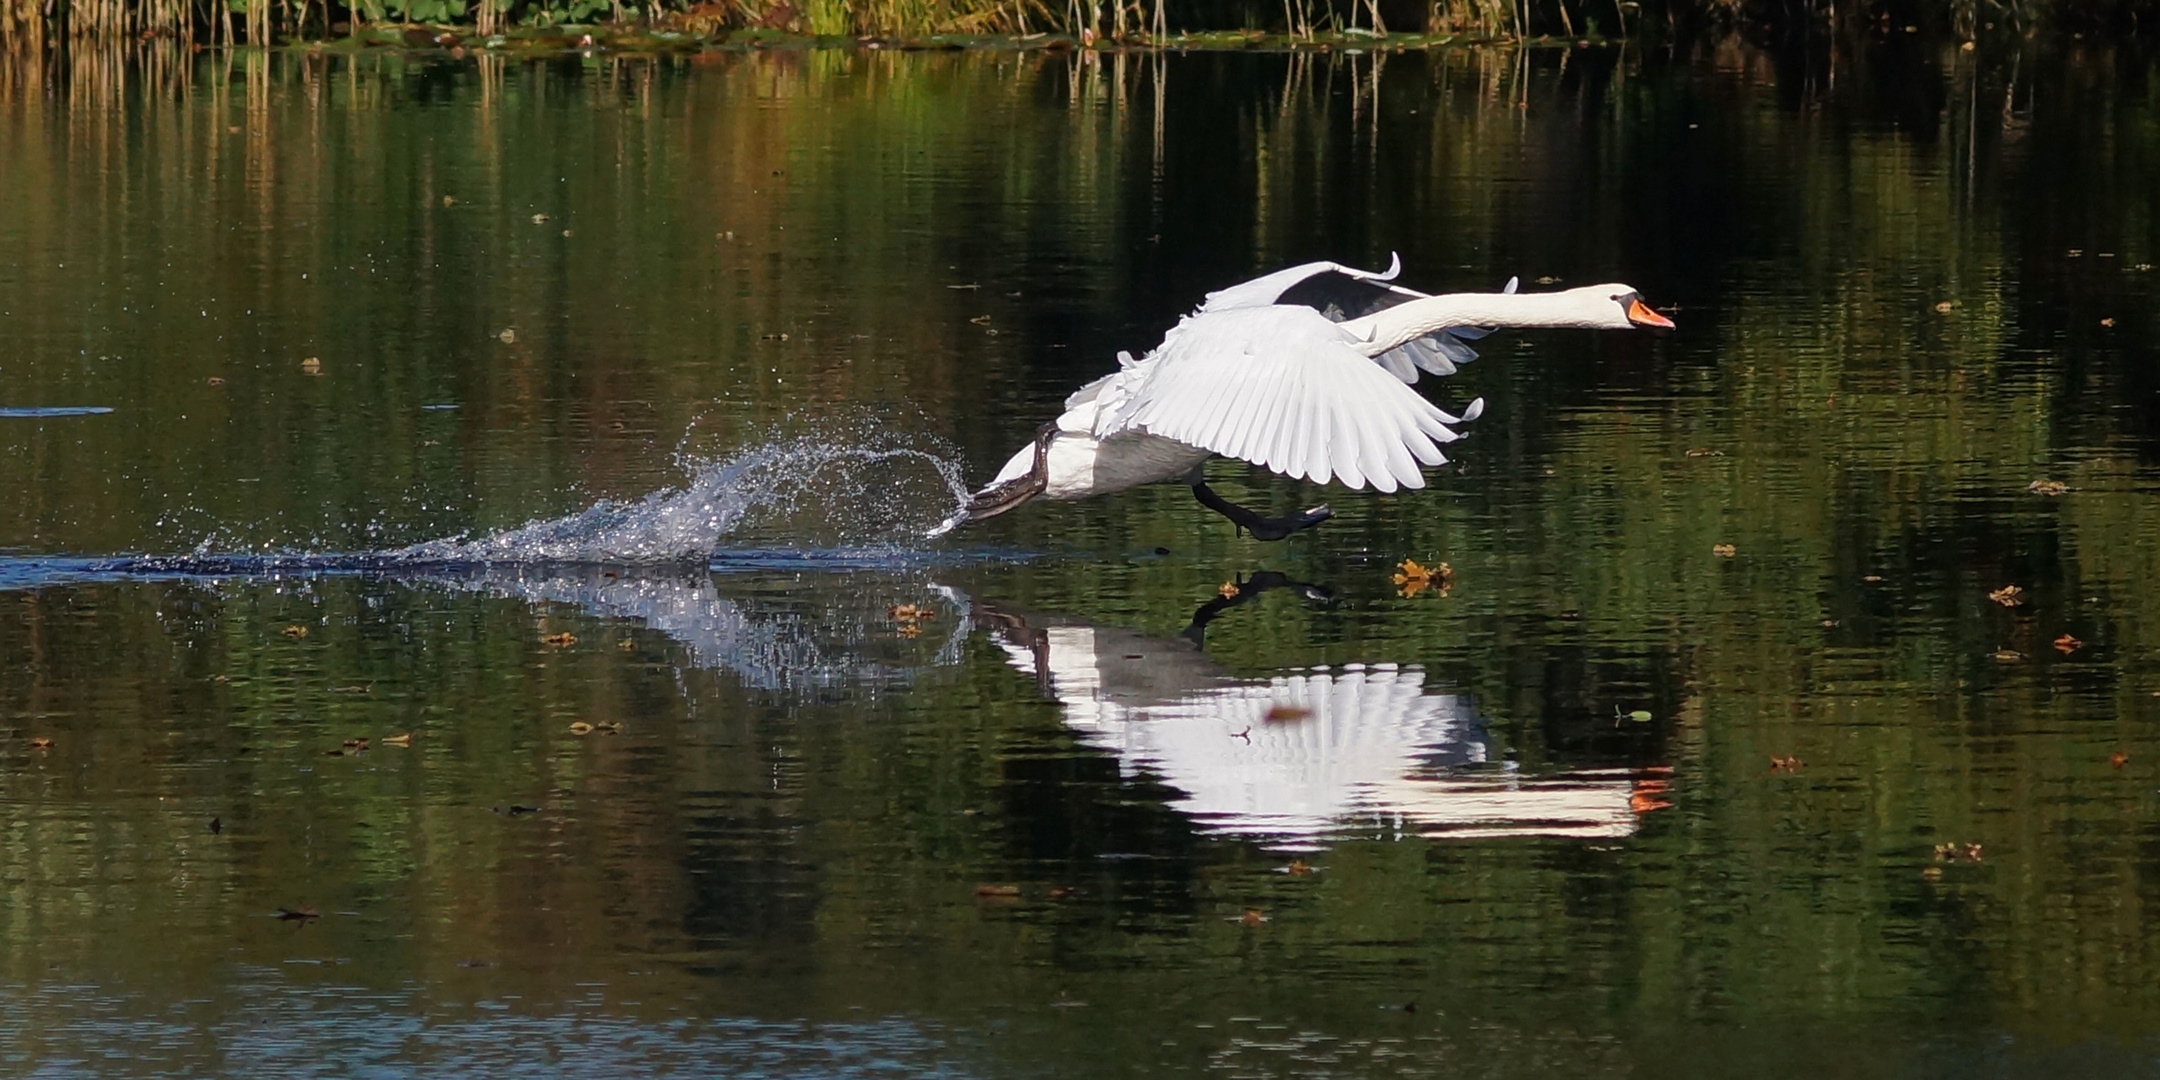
[(1316, 285), (1346, 292), (1283, 388)]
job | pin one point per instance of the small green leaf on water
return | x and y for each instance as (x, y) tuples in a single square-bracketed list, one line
[(1640, 716)]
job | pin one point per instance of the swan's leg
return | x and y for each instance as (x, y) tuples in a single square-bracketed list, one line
[(1262, 528), (995, 500)]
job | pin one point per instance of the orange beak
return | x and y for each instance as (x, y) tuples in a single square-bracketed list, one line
[(1640, 314)]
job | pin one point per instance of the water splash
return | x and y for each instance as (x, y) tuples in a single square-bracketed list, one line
[(865, 491)]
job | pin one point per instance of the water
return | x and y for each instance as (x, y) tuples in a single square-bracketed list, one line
[(580, 421)]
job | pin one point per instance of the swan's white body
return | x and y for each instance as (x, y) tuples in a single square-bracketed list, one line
[(1294, 387)]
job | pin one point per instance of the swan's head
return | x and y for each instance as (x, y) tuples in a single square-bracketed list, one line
[(1616, 307)]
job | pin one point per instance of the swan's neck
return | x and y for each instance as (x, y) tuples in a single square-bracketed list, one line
[(1383, 330)]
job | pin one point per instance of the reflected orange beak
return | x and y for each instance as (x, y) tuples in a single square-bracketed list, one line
[(1640, 314)]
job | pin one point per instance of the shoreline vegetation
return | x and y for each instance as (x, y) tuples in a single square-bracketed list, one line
[(670, 25)]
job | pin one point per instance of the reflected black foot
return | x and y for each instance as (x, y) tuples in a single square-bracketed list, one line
[(1262, 528)]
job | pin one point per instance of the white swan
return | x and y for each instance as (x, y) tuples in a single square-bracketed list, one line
[(1304, 371)]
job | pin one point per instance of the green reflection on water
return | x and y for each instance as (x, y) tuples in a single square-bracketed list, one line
[(811, 814)]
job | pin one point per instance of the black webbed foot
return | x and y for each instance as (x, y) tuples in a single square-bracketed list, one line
[(1262, 528)]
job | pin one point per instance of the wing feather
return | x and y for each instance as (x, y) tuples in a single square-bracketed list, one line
[(1284, 388)]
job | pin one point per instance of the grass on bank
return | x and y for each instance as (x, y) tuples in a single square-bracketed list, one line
[(44, 23)]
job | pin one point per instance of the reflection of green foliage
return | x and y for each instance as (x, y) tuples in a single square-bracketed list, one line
[(1848, 429)]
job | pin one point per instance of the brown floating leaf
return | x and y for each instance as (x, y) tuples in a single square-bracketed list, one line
[(2008, 656), (2067, 644), (449, 200), (626, 645), (2118, 759), (2107, 322), (215, 381), (2045, 486), (1724, 551), (1253, 917), (2008, 596), (1228, 590), (580, 727), (398, 740), (296, 631), (1931, 873), (1942, 307), (1873, 579), (1298, 868), (303, 913), (562, 639), (1704, 451), (1785, 764), (1281, 713), (540, 219), (1413, 579), (997, 892), (507, 337), (608, 727), (355, 745), (311, 366), (1954, 851), (908, 613), (40, 742)]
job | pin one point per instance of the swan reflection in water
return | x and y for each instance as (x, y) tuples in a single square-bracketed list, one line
[(1300, 756), (1324, 752)]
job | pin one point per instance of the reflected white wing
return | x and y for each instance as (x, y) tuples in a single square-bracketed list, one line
[(1305, 754), (1280, 387)]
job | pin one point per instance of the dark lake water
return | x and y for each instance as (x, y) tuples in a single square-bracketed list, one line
[(1721, 751)]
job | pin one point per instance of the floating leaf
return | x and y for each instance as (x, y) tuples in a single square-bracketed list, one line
[(566, 638), (2118, 759), (540, 219), (1413, 579), (507, 337), (2047, 487), (311, 366), (1282, 713), (1298, 868), (41, 742), (2008, 656), (1942, 307), (1785, 764), (1253, 916), (1724, 551), (303, 913), (580, 727), (2008, 596), (1228, 590), (296, 631), (997, 892), (2067, 644), (398, 740)]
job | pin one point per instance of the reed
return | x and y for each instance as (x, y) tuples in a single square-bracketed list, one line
[(56, 23)]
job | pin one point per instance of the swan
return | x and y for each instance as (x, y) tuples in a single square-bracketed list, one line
[(1305, 371)]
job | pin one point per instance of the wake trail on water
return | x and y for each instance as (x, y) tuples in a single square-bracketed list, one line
[(867, 492), (853, 495)]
